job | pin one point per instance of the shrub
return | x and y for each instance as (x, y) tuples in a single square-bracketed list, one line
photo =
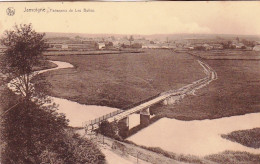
[(73, 149), (109, 130), (38, 134)]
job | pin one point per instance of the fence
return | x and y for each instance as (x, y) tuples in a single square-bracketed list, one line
[(105, 117), (141, 102)]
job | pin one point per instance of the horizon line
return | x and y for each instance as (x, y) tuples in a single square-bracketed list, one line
[(154, 34)]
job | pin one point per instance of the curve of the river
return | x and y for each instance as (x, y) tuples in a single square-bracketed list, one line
[(76, 113), (198, 137)]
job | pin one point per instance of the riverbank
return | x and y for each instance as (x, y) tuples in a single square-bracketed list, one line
[(76, 113)]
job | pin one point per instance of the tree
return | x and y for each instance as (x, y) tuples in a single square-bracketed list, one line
[(131, 39), (109, 130), (24, 51), (109, 44), (168, 42), (136, 45), (34, 132), (28, 130), (30, 127)]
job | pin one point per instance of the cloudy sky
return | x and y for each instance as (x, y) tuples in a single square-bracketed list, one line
[(138, 17)]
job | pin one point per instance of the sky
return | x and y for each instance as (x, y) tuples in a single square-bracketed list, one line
[(233, 17)]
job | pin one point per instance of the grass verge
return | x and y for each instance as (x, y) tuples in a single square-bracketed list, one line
[(234, 157)]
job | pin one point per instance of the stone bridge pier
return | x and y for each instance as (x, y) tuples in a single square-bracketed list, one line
[(123, 127), (123, 124), (145, 117)]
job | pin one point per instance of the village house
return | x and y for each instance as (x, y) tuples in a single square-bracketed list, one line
[(256, 48), (85, 45), (101, 46), (238, 45), (217, 46), (207, 46)]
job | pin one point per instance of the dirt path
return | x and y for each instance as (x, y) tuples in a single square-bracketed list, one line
[(128, 151)]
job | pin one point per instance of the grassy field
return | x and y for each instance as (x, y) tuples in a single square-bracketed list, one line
[(236, 92), (250, 138), (226, 157), (119, 80), (234, 157), (235, 54)]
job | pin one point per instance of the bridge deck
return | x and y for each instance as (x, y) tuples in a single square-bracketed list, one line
[(137, 108)]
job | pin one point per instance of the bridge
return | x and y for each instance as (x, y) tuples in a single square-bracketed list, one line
[(143, 108)]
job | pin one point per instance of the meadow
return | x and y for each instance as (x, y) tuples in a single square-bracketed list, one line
[(227, 54), (235, 92), (119, 80)]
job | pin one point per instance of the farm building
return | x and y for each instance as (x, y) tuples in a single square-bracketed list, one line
[(73, 46), (101, 45)]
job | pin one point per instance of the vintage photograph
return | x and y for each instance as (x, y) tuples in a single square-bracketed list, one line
[(130, 82)]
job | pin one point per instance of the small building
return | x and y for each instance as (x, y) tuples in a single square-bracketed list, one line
[(101, 45), (256, 48), (207, 46), (72, 45), (239, 45), (64, 46), (217, 46)]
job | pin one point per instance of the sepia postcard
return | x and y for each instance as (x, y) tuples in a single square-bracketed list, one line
[(130, 82)]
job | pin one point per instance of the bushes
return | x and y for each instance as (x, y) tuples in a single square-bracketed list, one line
[(136, 45), (38, 134), (109, 130), (27, 129), (73, 149)]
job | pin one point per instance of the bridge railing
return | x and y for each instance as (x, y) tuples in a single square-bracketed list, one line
[(102, 118), (105, 117), (141, 102)]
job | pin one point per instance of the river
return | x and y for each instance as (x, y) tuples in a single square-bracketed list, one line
[(76, 113), (198, 137)]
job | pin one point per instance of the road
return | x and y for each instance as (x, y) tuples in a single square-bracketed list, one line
[(117, 152)]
